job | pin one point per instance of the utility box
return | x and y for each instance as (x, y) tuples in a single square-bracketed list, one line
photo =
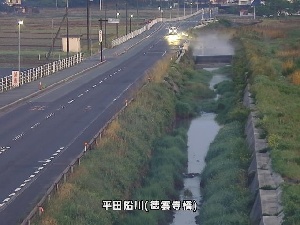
[(74, 43)]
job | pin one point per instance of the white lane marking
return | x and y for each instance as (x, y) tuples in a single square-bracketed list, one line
[(17, 189), (55, 154), (87, 90), (12, 194), (115, 72), (71, 101), (2, 204), (94, 85), (22, 185), (100, 81), (18, 136), (36, 172), (25, 181), (44, 164), (35, 125), (79, 95), (105, 78), (110, 75), (58, 151), (114, 99), (164, 53), (119, 70), (32, 176), (51, 114), (61, 148), (51, 157)]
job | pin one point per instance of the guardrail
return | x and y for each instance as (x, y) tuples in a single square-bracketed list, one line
[(135, 33), (41, 71), (92, 144)]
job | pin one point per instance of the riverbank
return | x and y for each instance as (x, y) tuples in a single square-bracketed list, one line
[(139, 157), (224, 187), (201, 133)]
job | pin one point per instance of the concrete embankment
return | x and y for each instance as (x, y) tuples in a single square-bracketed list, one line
[(264, 183)]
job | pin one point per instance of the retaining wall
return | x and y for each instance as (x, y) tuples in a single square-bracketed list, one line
[(264, 183)]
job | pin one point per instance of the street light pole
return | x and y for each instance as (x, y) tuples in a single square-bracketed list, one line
[(126, 14), (117, 24), (68, 43), (130, 23), (20, 22)]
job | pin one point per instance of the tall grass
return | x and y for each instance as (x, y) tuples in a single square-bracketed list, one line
[(273, 69), (226, 198), (140, 157)]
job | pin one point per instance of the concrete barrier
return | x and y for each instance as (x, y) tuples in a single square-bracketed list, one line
[(264, 183)]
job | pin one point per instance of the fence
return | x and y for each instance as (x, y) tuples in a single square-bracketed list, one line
[(41, 71), (135, 33)]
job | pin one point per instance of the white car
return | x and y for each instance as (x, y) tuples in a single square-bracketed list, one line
[(173, 30)]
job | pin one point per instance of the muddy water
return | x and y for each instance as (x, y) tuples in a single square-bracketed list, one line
[(201, 133)]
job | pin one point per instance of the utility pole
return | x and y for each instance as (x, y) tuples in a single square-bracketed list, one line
[(100, 38), (126, 18), (88, 26), (68, 43)]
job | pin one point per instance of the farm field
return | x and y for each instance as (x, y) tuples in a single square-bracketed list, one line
[(38, 31)]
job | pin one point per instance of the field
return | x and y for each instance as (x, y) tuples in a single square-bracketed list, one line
[(38, 31)]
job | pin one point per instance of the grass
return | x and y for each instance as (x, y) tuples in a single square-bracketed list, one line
[(225, 193), (272, 63), (140, 157)]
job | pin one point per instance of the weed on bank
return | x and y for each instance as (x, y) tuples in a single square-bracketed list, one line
[(140, 155), (225, 195), (271, 52)]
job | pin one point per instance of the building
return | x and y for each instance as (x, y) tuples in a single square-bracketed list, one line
[(74, 43)]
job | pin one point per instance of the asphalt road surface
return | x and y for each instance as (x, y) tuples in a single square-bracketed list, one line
[(40, 137)]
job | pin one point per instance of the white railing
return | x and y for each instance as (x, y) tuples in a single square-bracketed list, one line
[(135, 33), (41, 71)]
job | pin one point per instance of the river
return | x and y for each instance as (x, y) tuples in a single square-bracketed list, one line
[(201, 133)]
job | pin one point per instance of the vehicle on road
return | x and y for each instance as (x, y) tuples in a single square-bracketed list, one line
[(173, 30)]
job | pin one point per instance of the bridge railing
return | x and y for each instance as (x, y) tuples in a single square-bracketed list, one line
[(6, 83)]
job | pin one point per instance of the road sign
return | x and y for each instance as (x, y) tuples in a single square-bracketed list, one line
[(15, 78), (113, 20), (100, 36)]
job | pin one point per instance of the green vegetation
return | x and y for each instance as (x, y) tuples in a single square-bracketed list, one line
[(139, 157), (228, 106), (271, 55), (226, 197)]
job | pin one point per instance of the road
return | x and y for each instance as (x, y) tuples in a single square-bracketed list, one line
[(40, 137)]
